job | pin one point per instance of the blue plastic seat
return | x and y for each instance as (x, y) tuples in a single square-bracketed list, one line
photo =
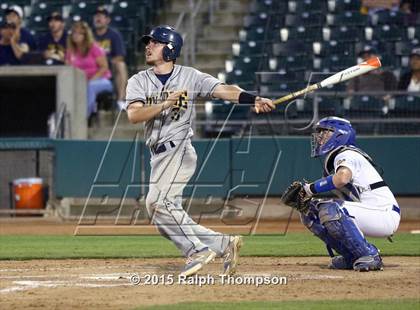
[(343, 33), (344, 5), (389, 33), (336, 48), (306, 19), (296, 48), (387, 17), (308, 34), (313, 6), (349, 18)]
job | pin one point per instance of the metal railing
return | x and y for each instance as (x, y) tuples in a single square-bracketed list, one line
[(59, 123), (378, 116), (187, 24)]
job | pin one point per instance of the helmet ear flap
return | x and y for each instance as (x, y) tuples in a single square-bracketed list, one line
[(168, 52)]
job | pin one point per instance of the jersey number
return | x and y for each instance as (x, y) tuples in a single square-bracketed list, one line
[(182, 104)]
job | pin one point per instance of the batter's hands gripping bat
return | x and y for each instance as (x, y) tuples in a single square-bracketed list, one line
[(347, 74)]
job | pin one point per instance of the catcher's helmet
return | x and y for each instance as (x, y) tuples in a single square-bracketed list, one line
[(343, 134), (168, 35)]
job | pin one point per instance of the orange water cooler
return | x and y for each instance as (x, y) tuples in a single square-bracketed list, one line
[(28, 193)]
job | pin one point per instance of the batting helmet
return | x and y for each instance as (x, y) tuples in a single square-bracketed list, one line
[(343, 134), (168, 35)]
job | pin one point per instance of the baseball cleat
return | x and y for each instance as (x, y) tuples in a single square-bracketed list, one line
[(231, 256), (197, 261), (339, 262), (368, 263)]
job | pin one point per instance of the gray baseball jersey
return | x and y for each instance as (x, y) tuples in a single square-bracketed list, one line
[(172, 169), (175, 123)]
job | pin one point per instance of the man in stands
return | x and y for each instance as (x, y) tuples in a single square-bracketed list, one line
[(14, 15), (53, 44), (11, 51), (111, 41), (376, 80), (410, 81)]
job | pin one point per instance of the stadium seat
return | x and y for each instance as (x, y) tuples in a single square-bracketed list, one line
[(413, 33), (328, 106), (347, 18), (390, 61), (313, 6), (282, 75), (382, 47), (272, 6), (84, 8), (128, 9), (308, 34), (121, 23), (404, 48), (343, 33), (366, 107), (296, 48), (256, 34), (406, 106), (292, 62), (334, 48), (334, 63), (45, 8), (306, 19), (344, 5), (256, 20), (249, 48), (37, 23), (388, 33), (387, 17)]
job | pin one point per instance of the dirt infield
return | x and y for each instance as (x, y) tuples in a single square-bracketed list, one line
[(104, 284), (54, 226)]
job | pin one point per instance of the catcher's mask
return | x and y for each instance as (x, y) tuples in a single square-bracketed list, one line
[(169, 36), (330, 133)]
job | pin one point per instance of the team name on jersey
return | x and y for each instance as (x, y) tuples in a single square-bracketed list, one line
[(177, 109)]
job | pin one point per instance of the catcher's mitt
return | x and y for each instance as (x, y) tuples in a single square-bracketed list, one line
[(296, 197)]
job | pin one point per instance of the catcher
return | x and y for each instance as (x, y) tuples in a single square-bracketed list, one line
[(365, 206)]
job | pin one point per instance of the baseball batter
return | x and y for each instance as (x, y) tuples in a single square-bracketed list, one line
[(163, 97), (365, 207)]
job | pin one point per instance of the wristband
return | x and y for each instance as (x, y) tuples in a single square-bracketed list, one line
[(245, 97), (323, 185)]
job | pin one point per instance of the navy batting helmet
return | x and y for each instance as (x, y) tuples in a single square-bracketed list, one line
[(168, 35)]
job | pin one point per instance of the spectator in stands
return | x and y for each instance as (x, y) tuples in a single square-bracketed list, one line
[(376, 80), (111, 41), (11, 51), (410, 6), (84, 53), (412, 9), (53, 44), (410, 81), (14, 14), (373, 6)]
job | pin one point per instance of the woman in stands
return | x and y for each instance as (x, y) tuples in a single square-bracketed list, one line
[(83, 53)]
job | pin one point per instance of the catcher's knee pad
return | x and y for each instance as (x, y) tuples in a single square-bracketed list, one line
[(343, 229), (329, 211)]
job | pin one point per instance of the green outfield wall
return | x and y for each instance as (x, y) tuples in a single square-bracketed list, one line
[(255, 166)]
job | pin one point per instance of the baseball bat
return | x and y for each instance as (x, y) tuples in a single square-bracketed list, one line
[(347, 74)]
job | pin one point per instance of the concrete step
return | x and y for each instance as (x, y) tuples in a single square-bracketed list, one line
[(228, 18), (240, 6), (179, 6), (209, 68), (212, 57), (221, 32), (171, 18), (210, 43)]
